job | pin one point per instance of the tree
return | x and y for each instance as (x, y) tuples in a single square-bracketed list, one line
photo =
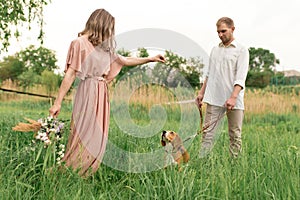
[(259, 79), (262, 60), (27, 66), (38, 59), (193, 71), (262, 66), (178, 70), (10, 68), (278, 79), (124, 70), (128, 71), (50, 81), (169, 73), (15, 13), (28, 79), (143, 53)]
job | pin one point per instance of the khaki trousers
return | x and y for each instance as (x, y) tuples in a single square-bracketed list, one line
[(213, 119)]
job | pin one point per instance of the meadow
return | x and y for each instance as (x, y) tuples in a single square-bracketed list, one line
[(268, 167)]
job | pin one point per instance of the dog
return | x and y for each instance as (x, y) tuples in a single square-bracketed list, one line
[(179, 153)]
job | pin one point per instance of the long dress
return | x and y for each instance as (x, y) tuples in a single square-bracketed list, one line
[(91, 110)]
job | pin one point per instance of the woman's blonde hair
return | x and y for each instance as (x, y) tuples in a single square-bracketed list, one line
[(100, 28)]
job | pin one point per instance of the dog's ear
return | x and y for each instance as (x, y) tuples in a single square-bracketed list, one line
[(163, 143)]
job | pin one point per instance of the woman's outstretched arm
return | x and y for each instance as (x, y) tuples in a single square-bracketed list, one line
[(133, 61)]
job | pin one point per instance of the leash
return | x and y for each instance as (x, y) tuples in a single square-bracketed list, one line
[(203, 128)]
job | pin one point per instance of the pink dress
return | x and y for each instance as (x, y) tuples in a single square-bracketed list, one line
[(90, 118)]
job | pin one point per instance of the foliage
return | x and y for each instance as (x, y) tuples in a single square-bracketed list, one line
[(143, 53), (10, 68), (31, 59), (128, 71), (178, 70), (50, 80), (258, 79), (262, 60), (28, 79), (15, 13), (124, 70), (280, 79), (27, 66), (262, 64), (38, 59), (193, 71), (168, 74)]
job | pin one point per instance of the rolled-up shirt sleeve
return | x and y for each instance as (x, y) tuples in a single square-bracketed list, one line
[(242, 68)]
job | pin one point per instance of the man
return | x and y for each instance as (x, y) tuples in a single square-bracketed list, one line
[(223, 88)]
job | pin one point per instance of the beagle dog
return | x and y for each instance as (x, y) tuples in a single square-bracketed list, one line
[(179, 153)]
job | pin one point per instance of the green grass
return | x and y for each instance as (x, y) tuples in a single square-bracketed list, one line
[(268, 168)]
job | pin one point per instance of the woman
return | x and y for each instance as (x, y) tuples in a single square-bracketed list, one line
[(92, 59)]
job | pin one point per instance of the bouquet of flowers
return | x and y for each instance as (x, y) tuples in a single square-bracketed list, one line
[(47, 130)]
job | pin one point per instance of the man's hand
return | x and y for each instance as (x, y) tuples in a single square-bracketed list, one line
[(230, 103), (198, 100)]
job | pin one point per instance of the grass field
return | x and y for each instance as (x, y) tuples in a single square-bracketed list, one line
[(268, 168)]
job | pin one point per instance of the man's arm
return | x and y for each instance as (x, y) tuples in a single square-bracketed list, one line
[(201, 93), (230, 103)]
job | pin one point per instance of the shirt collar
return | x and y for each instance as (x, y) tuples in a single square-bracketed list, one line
[(232, 44)]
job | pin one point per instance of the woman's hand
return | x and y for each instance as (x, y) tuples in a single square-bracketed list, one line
[(54, 110), (158, 58), (64, 88)]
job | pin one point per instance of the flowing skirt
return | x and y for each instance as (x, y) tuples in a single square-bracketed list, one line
[(89, 127)]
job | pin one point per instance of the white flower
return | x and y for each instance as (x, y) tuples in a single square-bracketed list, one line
[(47, 141), (52, 130), (50, 133), (45, 138)]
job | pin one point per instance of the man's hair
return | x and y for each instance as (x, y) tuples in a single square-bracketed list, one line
[(226, 20), (100, 28)]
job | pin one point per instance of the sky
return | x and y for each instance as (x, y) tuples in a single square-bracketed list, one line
[(268, 24)]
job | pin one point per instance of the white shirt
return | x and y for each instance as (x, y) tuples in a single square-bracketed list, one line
[(228, 66)]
